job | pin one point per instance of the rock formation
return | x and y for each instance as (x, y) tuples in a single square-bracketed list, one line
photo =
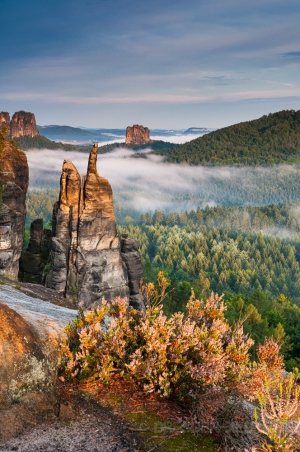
[(5, 121), (137, 135), (130, 253), (35, 257), (30, 334), (86, 262), (23, 124), (13, 188)]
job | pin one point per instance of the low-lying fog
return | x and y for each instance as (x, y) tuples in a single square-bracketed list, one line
[(149, 183)]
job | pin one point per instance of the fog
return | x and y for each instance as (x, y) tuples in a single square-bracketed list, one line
[(177, 139), (149, 183)]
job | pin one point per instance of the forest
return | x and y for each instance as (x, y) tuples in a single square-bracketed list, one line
[(251, 254), (274, 138), (40, 142), (238, 233)]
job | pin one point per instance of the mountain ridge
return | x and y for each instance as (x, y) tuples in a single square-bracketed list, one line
[(271, 139)]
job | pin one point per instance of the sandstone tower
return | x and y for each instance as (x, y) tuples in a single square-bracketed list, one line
[(137, 135), (22, 124), (88, 259)]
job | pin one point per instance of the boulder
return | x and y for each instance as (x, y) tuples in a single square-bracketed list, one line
[(30, 333)]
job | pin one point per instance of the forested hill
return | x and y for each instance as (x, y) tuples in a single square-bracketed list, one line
[(40, 142), (268, 140)]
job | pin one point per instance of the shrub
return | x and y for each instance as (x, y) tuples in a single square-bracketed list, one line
[(279, 403), (174, 356)]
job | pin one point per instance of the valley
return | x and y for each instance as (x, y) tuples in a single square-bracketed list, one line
[(227, 229)]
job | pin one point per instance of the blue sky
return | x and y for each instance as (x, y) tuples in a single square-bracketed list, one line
[(163, 64)]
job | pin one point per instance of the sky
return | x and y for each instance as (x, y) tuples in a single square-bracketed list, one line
[(163, 64)]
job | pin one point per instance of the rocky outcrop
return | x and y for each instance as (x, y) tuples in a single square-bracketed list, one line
[(30, 334), (35, 258), (13, 188), (23, 124), (137, 135), (86, 262), (5, 121), (130, 253)]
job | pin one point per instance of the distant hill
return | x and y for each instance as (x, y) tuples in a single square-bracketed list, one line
[(68, 133), (271, 139), (41, 142), (155, 145)]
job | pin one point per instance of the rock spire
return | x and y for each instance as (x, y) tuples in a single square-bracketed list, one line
[(86, 261)]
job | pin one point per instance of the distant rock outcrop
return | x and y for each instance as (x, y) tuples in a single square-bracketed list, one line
[(34, 258), (5, 121), (13, 188), (137, 135), (22, 124), (86, 262)]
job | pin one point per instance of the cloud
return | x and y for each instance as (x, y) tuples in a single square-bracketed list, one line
[(291, 54), (288, 92), (177, 139)]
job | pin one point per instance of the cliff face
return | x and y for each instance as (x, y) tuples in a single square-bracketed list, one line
[(13, 188), (137, 135), (23, 124), (5, 121), (34, 258), (86, 262), (130, 254)]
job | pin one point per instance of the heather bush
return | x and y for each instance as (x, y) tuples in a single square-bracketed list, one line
[(278, 417), (165, 356), (100, 341), (195, 356)]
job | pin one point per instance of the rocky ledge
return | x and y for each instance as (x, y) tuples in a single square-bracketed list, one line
[(30, 332)]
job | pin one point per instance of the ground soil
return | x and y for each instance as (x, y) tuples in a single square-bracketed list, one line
[(83, 426)]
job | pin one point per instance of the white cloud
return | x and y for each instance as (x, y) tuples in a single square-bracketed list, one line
[(150, 183)]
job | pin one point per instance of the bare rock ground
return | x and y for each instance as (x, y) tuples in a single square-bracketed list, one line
[(84, 426)]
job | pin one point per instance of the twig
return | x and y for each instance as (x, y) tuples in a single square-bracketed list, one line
[(157, 445)]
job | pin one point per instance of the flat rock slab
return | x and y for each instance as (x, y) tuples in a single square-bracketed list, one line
[(35, 310)]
